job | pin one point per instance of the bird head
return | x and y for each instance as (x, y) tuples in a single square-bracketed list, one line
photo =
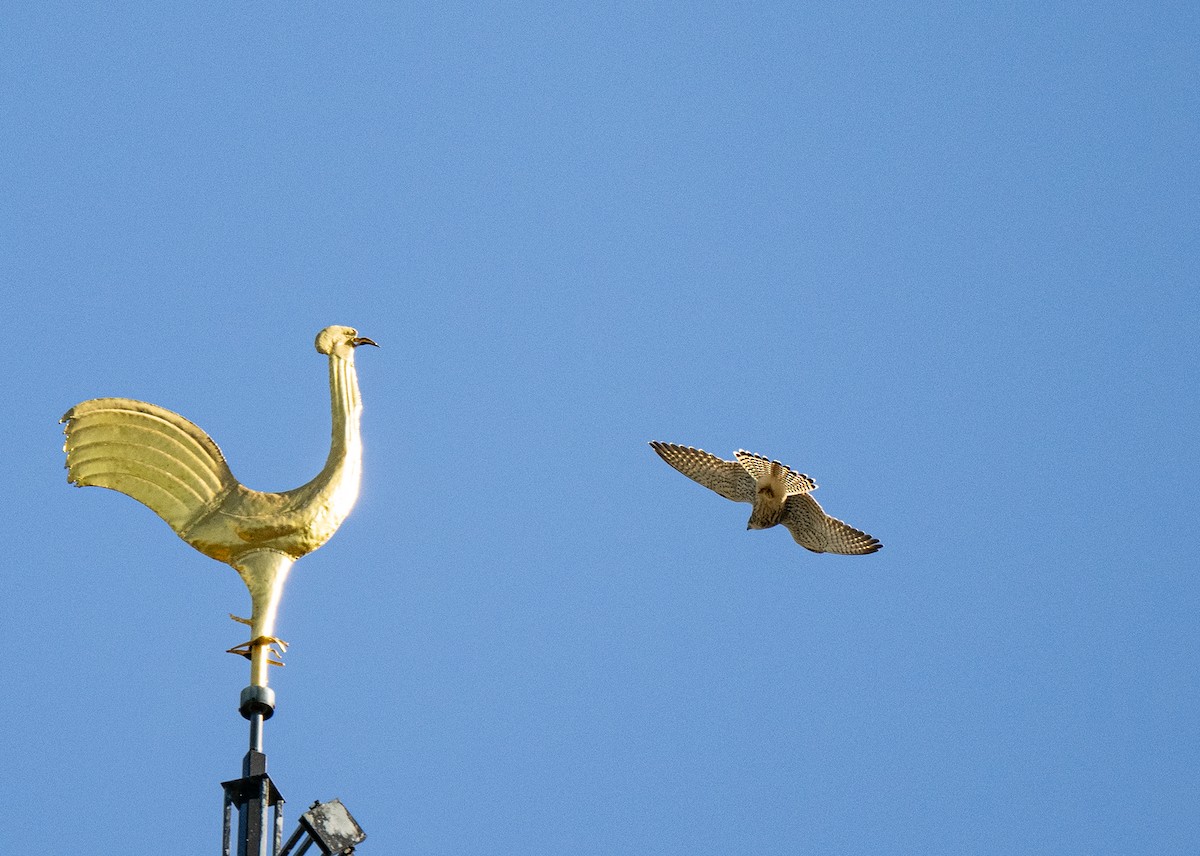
[(340, 341)]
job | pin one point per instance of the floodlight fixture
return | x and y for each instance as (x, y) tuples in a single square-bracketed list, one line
[(328, 825)]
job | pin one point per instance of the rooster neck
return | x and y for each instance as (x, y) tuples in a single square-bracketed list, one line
[(343, 468), (304, 518), (345, 448)]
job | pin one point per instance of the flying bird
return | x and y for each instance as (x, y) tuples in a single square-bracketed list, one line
[(778, 494), (168, 464)]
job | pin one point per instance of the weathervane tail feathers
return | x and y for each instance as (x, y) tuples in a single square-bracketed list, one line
[(146, 452)]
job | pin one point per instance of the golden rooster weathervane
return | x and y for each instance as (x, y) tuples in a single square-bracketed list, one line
[(167, 463)]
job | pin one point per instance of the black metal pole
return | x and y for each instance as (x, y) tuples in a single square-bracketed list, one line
[(253, 809), (254, 793)]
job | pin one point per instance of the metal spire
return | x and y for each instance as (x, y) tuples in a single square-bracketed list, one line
[(167, 463)]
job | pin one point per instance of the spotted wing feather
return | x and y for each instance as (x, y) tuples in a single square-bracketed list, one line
[(727, 478), (815, 530)]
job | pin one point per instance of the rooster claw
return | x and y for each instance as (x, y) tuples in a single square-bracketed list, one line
[(246, 649)]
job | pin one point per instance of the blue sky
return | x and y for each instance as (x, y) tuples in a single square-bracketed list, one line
[(941, 257)]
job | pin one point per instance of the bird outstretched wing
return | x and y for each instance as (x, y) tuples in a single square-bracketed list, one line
[(815, 530), (761, 468), (149, 453), (728, 478)]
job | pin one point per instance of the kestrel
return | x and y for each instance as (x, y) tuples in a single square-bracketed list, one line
[(779, 495)]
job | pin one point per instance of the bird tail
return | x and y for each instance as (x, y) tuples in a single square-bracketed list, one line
[(761, 468), (147, 452)]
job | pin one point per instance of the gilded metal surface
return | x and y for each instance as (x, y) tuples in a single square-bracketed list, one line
[(167, 463)]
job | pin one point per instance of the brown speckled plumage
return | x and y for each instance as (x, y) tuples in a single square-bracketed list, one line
[(778, 495)]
